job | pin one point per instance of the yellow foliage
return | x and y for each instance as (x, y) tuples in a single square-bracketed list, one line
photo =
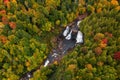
[(98, 78), (27, 63), (47, 26), (14, 1), (1, 25), (16, 58), (55, 62), (78, 77), (77, 12), (57, 22), (118, 8), (82, 10), (45, 57), (71, 67), (99, 36), (92, 9), (70, 17), (8, 79), (49, 2), (52, 3), (105, 2), (82, 2), (100, 63), (89, 67), (100, 5)]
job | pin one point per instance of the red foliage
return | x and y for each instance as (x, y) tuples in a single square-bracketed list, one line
[(117, 55), (6, 1), (105, 41), (2, 12), (5, 20), (12, 25)]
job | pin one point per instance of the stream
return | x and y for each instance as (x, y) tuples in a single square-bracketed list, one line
[(67, 40)]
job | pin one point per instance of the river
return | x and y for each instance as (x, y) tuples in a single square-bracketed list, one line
[(65, 43)]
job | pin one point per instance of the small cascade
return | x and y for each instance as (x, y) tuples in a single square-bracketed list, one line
[(66, 31), (70, 37)]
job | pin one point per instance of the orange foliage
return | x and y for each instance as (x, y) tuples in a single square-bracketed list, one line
[(114, 2), (102, 45), (5, 20), (98, 50), (2, 11), (3, 39), (99, 10), (6, 1), (12, 25)]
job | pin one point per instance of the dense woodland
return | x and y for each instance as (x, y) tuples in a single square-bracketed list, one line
[(28, 30)]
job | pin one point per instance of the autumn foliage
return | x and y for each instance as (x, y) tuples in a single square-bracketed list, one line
[(114, 2), (2, 11), (6, 1), (5, 20), (98, 50), (12, 25), (89, 66), (117, 55), (104, 41), (3, 39), (28, 27)]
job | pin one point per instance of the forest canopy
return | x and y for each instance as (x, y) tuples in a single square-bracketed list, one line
[(28, 29)]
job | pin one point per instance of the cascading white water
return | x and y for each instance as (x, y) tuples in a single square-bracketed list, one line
[(46, 63), (69, 36), (78, 23), (66, 31), (66, 44), (79, 38)]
